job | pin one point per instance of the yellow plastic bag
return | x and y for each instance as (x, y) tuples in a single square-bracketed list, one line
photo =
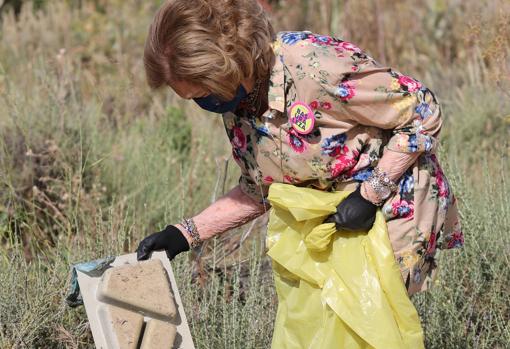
[(336, 289)]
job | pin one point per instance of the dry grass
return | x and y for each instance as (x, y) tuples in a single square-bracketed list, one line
[(91, 161)]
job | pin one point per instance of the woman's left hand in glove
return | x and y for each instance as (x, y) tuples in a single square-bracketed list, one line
[(354, 213)]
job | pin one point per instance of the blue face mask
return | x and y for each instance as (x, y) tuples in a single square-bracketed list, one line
[(216, 105)]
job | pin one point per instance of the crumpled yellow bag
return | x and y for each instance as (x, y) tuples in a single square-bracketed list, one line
[(336, 289)]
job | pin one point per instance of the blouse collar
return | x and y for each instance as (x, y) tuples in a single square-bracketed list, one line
[(276, 93)]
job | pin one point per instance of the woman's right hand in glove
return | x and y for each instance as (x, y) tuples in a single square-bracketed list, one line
[(170, 239), (230, 211)]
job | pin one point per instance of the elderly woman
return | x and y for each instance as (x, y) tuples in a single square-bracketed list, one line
[(308, 110)]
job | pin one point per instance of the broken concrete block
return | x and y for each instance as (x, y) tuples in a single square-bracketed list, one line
[(135, 305), (123, 327), (158, 335), (143, 287)]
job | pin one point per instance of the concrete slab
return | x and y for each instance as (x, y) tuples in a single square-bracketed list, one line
[(157, 334), (142, 287), (136, 305), (122, 327)]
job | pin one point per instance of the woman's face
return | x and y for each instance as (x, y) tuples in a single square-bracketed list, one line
[(187, 90)]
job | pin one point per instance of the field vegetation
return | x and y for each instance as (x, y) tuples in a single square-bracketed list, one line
[(91, 161)]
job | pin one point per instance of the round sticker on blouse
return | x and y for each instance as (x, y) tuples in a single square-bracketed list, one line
[(301, 117)]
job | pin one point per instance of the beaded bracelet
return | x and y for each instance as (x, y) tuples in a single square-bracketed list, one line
[(379, 203), (382, 184), (191, 228), (385, 179)]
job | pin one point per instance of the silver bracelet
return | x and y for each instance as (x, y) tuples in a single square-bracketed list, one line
[(383, 186), (191, 228), (379, 203), (385, 179)]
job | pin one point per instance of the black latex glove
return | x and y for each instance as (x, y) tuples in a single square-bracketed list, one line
[(170, 239), (354, 213)]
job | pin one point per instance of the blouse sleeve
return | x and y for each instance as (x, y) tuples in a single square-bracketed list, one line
[(253, 186), (257, 192), (387, 99), (342, 83)]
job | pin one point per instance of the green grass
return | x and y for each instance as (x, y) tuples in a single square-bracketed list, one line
[(91, 161)]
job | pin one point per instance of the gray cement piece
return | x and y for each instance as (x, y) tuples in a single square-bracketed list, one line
[(136, 305)]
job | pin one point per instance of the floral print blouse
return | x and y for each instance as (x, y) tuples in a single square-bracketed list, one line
[(350, 111)]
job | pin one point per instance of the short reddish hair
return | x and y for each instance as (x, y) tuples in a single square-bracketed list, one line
[(212, 43)]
